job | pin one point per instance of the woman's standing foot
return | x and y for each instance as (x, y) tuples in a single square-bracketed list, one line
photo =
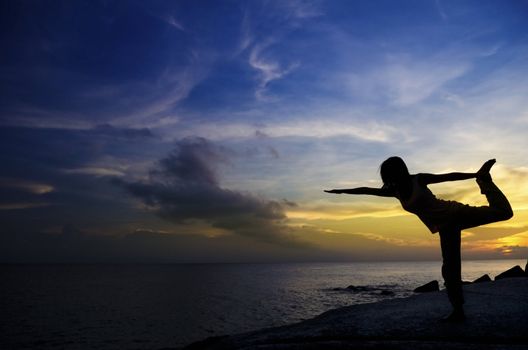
[(456, 316)]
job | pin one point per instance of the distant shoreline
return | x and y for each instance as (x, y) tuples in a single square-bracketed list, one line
[(4, 263)]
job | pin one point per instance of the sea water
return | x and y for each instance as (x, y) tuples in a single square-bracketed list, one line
[(167, 306)]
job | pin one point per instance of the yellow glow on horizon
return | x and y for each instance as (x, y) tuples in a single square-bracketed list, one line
[(382, 220), (365, 226), (520, 239), (340, 215)]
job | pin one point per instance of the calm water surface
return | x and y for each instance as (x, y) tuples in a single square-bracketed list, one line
[(157, 306)]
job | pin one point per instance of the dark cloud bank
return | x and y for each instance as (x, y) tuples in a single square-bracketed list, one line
[(185, 188)]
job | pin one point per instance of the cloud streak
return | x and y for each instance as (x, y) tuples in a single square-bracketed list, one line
[(28, 186), (314, 127)]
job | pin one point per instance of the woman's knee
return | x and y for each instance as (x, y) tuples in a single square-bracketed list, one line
[(494, 215), (508, 214), (504, 214)]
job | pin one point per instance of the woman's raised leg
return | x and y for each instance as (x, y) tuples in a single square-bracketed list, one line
[(499, 208)]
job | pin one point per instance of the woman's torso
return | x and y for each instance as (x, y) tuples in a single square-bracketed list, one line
[(433, 212)]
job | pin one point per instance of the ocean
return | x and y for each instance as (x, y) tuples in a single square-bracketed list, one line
[(167, 306)]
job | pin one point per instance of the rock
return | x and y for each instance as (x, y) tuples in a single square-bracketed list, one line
[(483, 278), (358, 288), (466, 282), (515, 271), (362, 289), (526, 268), (366, 289), (428, 287)]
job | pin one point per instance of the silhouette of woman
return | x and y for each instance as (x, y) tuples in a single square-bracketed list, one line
[(448, 218)]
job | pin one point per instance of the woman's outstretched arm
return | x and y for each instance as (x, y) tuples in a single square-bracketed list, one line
[(456, 176), (381, 192), (427, 179)]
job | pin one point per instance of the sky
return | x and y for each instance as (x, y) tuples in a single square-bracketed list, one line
[(206, 131)]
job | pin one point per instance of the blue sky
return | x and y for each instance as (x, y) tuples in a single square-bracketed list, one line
[(207, 130)]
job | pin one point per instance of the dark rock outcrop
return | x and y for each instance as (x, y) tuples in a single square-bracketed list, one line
[(515, 271), (353, 288), (526, 268), (428, 287), (381, 290), (483, 278)]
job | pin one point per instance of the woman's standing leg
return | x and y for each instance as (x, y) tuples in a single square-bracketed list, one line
[(467, 216), (451, 271)]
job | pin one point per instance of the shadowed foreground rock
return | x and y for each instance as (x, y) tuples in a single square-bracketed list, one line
[(483, 278), (428, 287), (515, 271), (496, 319)]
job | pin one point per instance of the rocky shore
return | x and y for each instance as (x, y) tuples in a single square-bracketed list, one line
[(497, 318)]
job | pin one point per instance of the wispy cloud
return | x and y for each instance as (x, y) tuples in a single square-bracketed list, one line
[(301, 9), (411, 84), (369, 131), (169, 19), (20, 206), (35, 117), (171, 88), (20, 194), (289, 14), (246, 36), (95, 171), (26, 185), (315, 128), (404, 81), (139, 104), (268, 68), (441, 10)]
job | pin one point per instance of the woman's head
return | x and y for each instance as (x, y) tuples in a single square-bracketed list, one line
[(393, 170)]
